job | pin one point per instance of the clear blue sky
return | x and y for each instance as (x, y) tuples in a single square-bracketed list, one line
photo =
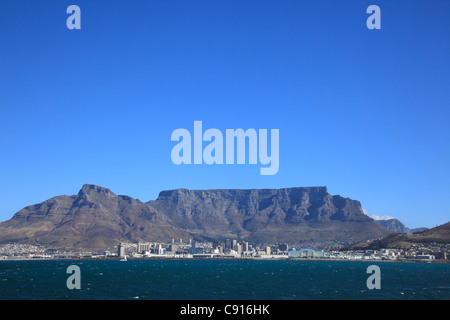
[(364, 112)]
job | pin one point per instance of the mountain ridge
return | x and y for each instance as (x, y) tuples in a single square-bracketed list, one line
[(398, 226), (439, 234), (98, 218)]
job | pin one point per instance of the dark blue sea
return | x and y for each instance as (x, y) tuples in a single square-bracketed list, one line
[(222, 280)]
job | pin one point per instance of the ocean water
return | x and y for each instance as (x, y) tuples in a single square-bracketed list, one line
[(222, 280)]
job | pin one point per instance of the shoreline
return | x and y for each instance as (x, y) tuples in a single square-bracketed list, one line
[(228, 259)]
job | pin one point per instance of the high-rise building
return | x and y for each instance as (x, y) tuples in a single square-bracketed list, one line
[(158, 249), (238, 249), (143, 247), (121, 250), (228, 244)]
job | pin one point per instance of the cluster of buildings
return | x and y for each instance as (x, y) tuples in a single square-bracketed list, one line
[(415, 252), (20, 250), (227, 249), (194, 249), (235, 249)]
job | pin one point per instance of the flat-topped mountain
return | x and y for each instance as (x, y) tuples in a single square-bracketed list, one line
[(98, 218), (267, 215)]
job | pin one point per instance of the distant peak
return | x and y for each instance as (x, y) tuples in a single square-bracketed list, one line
[(94, 189)]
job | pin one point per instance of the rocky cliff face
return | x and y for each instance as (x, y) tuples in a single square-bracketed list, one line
[(397, 226), (264, 215), (98, 218), (394, 225)]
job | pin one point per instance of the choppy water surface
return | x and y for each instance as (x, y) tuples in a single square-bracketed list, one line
[(222, 279)]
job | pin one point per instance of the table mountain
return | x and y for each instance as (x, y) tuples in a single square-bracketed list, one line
[(267, 215), (97, 218)]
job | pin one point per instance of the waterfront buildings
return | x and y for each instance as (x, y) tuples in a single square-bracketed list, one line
[(228, 249), (306, 253)]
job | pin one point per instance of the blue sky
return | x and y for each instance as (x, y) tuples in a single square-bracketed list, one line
[(363, 112)]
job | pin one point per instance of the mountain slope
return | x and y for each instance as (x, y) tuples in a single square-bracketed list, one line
[(94, 218), (439, 234)]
